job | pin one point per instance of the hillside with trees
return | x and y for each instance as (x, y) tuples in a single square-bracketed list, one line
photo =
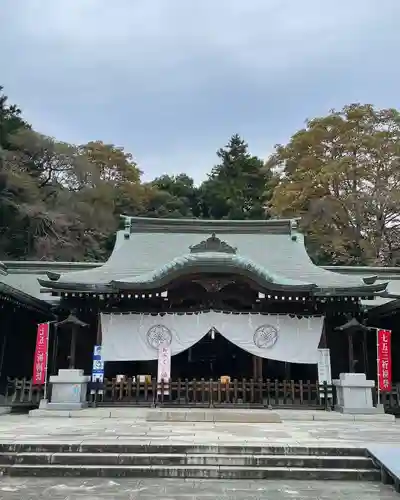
[(340, 174)]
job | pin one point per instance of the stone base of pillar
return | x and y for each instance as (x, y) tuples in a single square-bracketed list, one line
[(354, 394), (68, 391), (66, 406)]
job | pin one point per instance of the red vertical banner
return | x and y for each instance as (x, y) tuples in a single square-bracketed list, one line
[(384, 360), (41, 353)]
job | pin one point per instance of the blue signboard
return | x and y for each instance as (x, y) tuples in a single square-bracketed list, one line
[(98, 365)]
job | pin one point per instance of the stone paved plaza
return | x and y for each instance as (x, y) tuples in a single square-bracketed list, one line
[(175, 489), (131, 426)]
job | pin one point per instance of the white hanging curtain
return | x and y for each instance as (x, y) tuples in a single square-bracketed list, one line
[(136, 337), (280, 337)]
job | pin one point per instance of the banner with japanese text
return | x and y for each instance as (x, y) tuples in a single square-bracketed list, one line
[(41, 353), (324, 372), (384, 360), (164, 366), (98, 368)]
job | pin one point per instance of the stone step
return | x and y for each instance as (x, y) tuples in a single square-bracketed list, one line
[(149, 459), (193, 471), (215, 415), (140, 448)]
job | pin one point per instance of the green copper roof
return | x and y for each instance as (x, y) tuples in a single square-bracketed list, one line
[(24, 275), (149, 249), (26, 299), (209, 262)]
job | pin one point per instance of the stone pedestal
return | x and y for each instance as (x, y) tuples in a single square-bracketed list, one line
[(68, 390), (354, 394)]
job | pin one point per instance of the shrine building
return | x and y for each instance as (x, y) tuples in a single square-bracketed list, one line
[(236, 299)]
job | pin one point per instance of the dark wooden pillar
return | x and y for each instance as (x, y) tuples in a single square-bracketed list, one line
[(260, 367), (53, 370), (351, 353), (365, 353), (3, 349), (99, 337), (5, 329), (287, 371), (72, 352), (257, 367), (254, 367), (323, 344)]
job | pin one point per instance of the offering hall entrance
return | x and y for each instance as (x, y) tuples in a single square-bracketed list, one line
[(231, 367), (214, 357), (211, 358)]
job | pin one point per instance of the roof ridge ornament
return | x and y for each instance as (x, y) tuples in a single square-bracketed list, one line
[(53, 276), (213, 244)]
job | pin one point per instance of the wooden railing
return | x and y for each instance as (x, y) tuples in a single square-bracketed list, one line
[(390, 400), (211, 393), (21, 392), (204, 393)]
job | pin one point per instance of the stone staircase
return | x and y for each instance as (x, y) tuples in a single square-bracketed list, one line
[(185, 461)]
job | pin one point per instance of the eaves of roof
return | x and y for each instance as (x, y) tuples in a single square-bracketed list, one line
[(27, 300), (212, 262)]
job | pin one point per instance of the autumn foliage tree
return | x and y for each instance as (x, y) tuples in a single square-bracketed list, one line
[(341, 175)]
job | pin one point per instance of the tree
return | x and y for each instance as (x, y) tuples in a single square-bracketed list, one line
[(236, 187), (50, 209), (16, 188), (10, 120), (113, 182), (18, 192), (174, 196), (341, 174), (112, 164), (58, 200), (50, 162)]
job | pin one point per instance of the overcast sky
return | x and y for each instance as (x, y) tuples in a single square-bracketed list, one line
[(172, 80)]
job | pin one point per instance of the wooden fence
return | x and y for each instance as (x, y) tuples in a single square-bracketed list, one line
[(211, 393), (390, 400), (200, 393), (21, 392)]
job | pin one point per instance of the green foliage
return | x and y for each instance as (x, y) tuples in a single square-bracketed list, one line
[(340, 174), (10, 120), (236, 187), (174, 196)]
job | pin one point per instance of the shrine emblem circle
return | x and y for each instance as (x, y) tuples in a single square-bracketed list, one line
[(265, 336), (158, 335)]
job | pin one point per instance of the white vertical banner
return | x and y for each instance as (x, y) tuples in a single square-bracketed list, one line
[(164, 367), (324, 369), (324, 366)]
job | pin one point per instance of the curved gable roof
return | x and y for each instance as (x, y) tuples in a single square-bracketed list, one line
[(208, 263), (151, 248)]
